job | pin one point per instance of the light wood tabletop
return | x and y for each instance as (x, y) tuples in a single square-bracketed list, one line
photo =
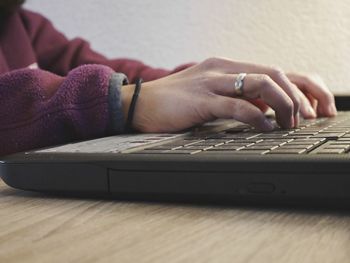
[(39, 228)]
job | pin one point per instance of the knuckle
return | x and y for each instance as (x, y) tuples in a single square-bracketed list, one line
[(327, 97), (277, 73), (315, 79), (308, 79), (330, 96), (264, 80), (297, 101), (211, 63)]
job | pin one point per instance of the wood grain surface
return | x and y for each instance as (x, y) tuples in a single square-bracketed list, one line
[(40, 228)]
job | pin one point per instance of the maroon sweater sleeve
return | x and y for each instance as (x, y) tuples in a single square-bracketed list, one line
[(59, 55), (39, 108)]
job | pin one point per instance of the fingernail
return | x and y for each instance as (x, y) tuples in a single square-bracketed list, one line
[(267, 125), (312, 112), (291, 122), (296, 120), (334, 108)]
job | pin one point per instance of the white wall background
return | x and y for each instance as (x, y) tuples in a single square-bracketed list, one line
[(299, 35)]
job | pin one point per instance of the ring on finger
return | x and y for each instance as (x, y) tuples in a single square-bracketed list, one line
[(239, 83)]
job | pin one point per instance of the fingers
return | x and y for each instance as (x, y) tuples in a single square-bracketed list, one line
[(317, 89), (314, 96), (241, 110), (263, 87), (306, 108), (231, 67)]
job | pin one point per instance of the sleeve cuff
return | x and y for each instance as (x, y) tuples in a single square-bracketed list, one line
[(115, 103)]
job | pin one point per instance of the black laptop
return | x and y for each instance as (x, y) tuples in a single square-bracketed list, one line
[(223, 161)]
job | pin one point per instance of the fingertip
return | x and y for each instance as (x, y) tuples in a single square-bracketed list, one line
[(309, 113), (296, 120), (327, 111), (266, 126), (331, 110), (285, 122), (291, 123)]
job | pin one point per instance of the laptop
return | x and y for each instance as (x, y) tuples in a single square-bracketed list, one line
[(221, 161)]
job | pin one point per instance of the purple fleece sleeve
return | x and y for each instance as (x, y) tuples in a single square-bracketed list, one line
[(39, 108)]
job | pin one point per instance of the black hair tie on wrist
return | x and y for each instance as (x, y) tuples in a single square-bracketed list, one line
[(128, 124)]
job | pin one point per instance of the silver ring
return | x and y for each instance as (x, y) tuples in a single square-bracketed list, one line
[(239, 83)]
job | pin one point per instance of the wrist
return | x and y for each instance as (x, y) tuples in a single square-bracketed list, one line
[(126, 96)]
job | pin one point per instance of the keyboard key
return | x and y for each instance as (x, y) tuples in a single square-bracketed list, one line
[(333, 135), (237, 144), (276, 141), (344, 143), (271, 136), (150, 152), (183, 142), (146, 151), (164, 147), (247, 151), (226, 148), (261, 147), (296, 146), (337, 146), (183, 152), (307, 141), (330, 151), (246, 136), (196, 147), (210, 142), (287, 151)]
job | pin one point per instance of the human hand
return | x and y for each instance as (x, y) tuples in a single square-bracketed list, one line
[(317, 93), (205, 92)]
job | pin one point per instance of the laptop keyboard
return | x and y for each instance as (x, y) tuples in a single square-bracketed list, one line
[(315, 136)]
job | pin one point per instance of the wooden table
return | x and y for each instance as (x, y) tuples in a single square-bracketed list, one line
[(39, 228)]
